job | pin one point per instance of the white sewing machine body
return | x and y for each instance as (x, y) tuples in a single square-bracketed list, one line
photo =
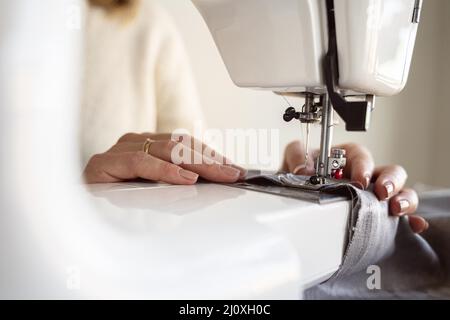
[(279, 45), (324, 50)]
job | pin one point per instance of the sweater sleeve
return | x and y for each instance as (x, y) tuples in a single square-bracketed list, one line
[(176, 98)]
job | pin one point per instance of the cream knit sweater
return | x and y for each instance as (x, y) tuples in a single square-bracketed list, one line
[(137, 78)]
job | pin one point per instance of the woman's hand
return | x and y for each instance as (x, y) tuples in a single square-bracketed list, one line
[(126, 160), (388, 181)]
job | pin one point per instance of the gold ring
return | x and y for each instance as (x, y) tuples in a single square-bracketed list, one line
[(146, 145)]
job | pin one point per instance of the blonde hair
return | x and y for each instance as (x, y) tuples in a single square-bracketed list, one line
[(124, 10)]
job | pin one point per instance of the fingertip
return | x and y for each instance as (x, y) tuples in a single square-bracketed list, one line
[(303, 169), (399, 207), (229, 174), (298, 169), (384, 189), (360, 164), (412, 197), (390, 180), (188, 177), (186, 182), (418, 224), (380, 192), (242, 171), (367, 178), (361, 181), (294, 155)]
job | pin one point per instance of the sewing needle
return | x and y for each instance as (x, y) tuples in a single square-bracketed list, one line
[(307, 144)]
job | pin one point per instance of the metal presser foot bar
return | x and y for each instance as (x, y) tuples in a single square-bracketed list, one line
[(356, 114), (330, 162), (325, 143)]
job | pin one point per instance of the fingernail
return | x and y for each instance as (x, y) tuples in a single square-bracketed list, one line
[(389, 188), (425, 228), (188, 174), (299, 168), (367, 181), (242, 171), (229, 171), (404, 206)]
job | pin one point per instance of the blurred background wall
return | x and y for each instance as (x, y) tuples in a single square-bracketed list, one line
[(442, 116), (410, 129)]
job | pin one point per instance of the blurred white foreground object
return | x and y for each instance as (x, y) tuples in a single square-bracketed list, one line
[(128, 240)]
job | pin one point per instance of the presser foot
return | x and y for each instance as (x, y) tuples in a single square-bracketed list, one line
[(318, 180), (305, 182)]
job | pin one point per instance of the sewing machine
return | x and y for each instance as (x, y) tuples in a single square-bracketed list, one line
[(151, 240), (338, 55)]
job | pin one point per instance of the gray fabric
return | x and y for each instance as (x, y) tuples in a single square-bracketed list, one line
[(368, 215), (411, 266), (372, 235), (289, 185)]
